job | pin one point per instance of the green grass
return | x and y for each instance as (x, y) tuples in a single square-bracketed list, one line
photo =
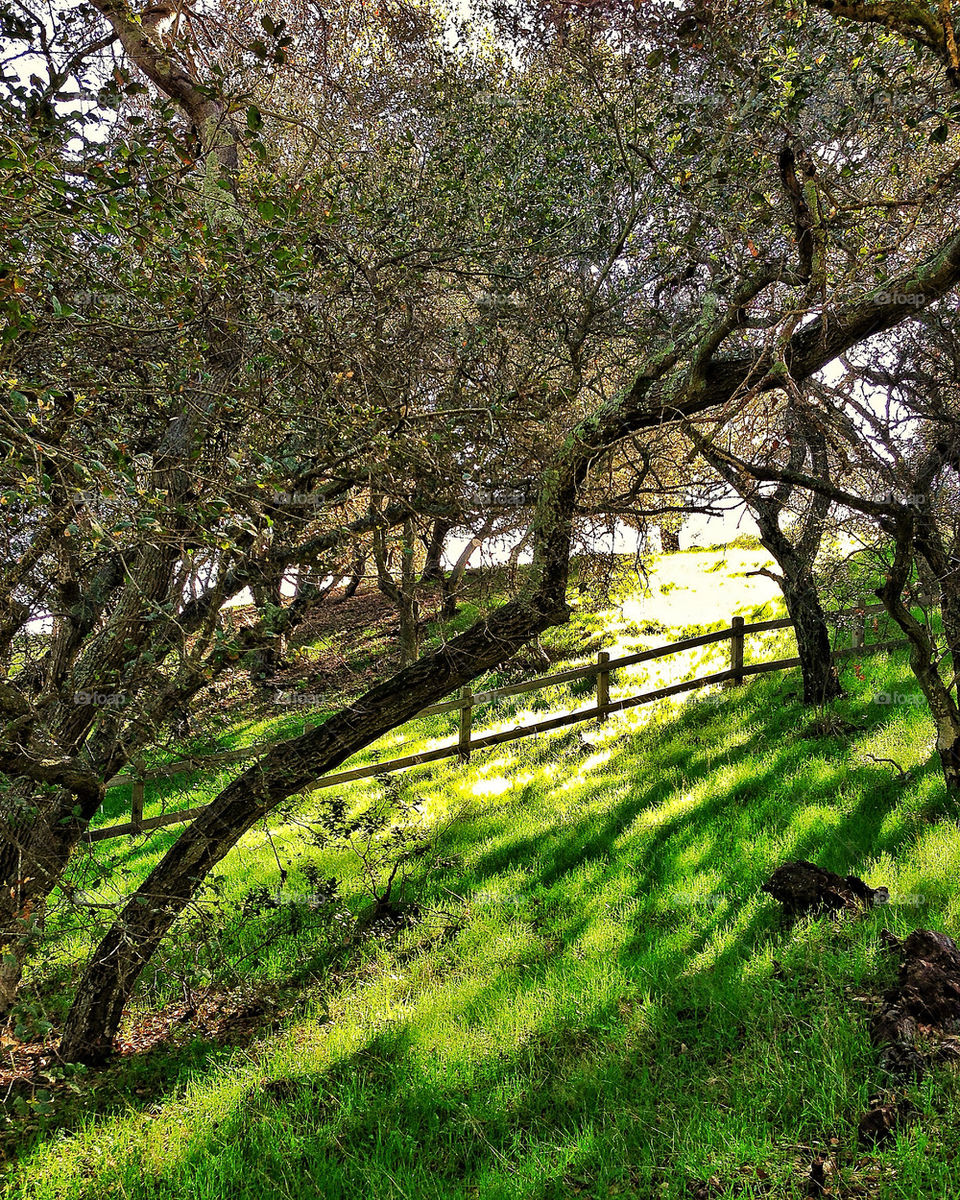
[(597, 1001)]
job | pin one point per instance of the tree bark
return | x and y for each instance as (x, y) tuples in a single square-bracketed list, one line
[(409, 606), (821, 681), (923, 655), (39, 830), (402, 595), (454, 580), (433, 566), (39, 834), (795, 558), (291, 767)]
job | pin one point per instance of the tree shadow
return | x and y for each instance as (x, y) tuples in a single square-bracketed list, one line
[(637, 908)]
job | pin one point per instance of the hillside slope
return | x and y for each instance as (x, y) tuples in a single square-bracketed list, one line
[(580, 989)]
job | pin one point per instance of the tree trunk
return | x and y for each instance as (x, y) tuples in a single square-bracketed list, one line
[(408, 610), (821, 681), (268, 600), (402, 595), (356, 578), (924, 657), (453, 582), (36, 843), (938, 569), (150, 912), (706, 384), (40, 828), (795, 558), (433, 567), (946, 715), (286, 769), (17, 901), (948, 748)]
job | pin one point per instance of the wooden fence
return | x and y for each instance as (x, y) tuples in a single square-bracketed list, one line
[(468, 700)]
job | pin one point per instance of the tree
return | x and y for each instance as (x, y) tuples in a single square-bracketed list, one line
[(568, 251), (794, 549), (403, 591), (161, 455), (901, 454)]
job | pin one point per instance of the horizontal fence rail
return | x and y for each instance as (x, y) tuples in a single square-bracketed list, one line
[(468, 700)]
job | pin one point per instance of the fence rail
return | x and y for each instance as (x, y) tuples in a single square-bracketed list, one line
[(469, 700)]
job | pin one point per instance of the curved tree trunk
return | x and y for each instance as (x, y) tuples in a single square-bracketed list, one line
[(269, 602), (402, 595), (356, 578), (453, 582), (117, 962), (128, 946), (795, 558), (702, 382), (40, 828)]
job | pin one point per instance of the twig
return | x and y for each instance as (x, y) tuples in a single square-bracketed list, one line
[(904, 775)]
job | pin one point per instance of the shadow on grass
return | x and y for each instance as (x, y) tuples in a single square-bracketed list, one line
[(610, 1017)]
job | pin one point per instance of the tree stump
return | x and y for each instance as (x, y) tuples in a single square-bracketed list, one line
[(804, 889)]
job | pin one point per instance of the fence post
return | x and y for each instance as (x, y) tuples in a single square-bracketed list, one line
[(603, 684), (136, 805), (736, 649), (466, 723), (859, 628)]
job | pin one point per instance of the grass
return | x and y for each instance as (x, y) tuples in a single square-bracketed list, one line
[(597, 999)]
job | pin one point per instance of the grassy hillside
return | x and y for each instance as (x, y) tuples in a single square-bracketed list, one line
[(580, 990)]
